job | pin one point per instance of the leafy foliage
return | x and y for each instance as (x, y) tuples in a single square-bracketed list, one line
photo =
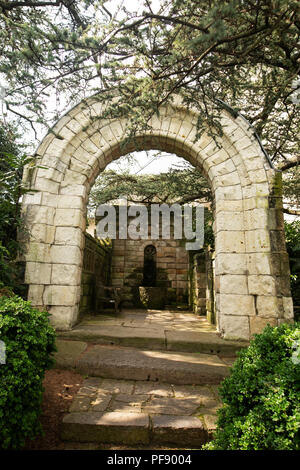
[(292, 234), (175, 186), (180, 186), (291, 188), (12, 162), (29, 341), (261, 399), (242, 52)]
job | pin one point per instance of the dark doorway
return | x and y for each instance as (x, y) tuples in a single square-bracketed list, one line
[(149, 276)]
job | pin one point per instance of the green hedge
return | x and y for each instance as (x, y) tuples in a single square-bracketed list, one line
[(29, 341), (261, 397)]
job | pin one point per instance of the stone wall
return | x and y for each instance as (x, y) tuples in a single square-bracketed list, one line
[(172, 263), (96, 269), (172, 267)]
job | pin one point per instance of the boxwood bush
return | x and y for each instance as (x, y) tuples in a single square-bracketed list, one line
[(261, 397), (29, 341)]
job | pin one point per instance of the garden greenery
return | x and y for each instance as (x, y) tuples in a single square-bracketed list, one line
[(261, 397), (29, 341)]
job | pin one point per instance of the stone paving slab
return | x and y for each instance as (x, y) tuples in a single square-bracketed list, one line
[(172, 406), (149, 329), (162, 366), (150, 338), (203, 341), (157, 390), (102, 412), (183, 430), (115, 427), (68, 352)]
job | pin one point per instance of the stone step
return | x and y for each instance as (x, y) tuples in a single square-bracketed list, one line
[(135, 364), (154, 338), (141, 412), (133, 428)]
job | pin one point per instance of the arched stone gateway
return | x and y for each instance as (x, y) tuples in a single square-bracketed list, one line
[(251, 263)]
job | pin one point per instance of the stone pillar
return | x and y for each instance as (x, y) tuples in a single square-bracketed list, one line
[(210, 297), (198, 284), (252, 267)]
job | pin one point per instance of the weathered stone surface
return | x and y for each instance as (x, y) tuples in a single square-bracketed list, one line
[(257, 241), (210, 423), (60, 295), (235, 327), (231, 263), (262, 285), (100, 402), (35, 294), (175, 331), (68, 352), (180, 368), (269, 306), (132, 337), (259, 263), (69, 218), (39, 253), (204, 342), (288, 307), (62, 317), (38, 273), (172, 406), (257, 324), (233, 219), (202, 393), (59, 254), (128, 403), (234, 304), (68, 236), (65, 274), (114, 427), (230, 242), (117, 386), (181, 430), (148, 388), (42, 233), (81, 404), (233, 284)]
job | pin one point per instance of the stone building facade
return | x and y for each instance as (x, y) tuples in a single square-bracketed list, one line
[(150, 263)]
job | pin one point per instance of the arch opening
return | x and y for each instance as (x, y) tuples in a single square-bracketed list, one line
[(251, 263)]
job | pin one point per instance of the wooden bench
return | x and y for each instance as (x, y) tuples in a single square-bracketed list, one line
[(113, 297)]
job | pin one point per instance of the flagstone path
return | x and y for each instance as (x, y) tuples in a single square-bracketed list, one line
[(152, 378)]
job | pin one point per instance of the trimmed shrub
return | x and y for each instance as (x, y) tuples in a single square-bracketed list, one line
[(29, 341), (261, 397)]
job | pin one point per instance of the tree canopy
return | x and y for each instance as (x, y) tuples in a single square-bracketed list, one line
[(181, 186), (245, 53)]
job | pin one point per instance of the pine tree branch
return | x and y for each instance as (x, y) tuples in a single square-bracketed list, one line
[(27, 3), (290, 164), (291, 211)]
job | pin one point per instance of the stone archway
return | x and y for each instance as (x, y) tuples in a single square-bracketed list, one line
[(252, 273)]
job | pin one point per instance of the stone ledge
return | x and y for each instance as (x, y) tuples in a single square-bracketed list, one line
[(183, 430), (114, 427)]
